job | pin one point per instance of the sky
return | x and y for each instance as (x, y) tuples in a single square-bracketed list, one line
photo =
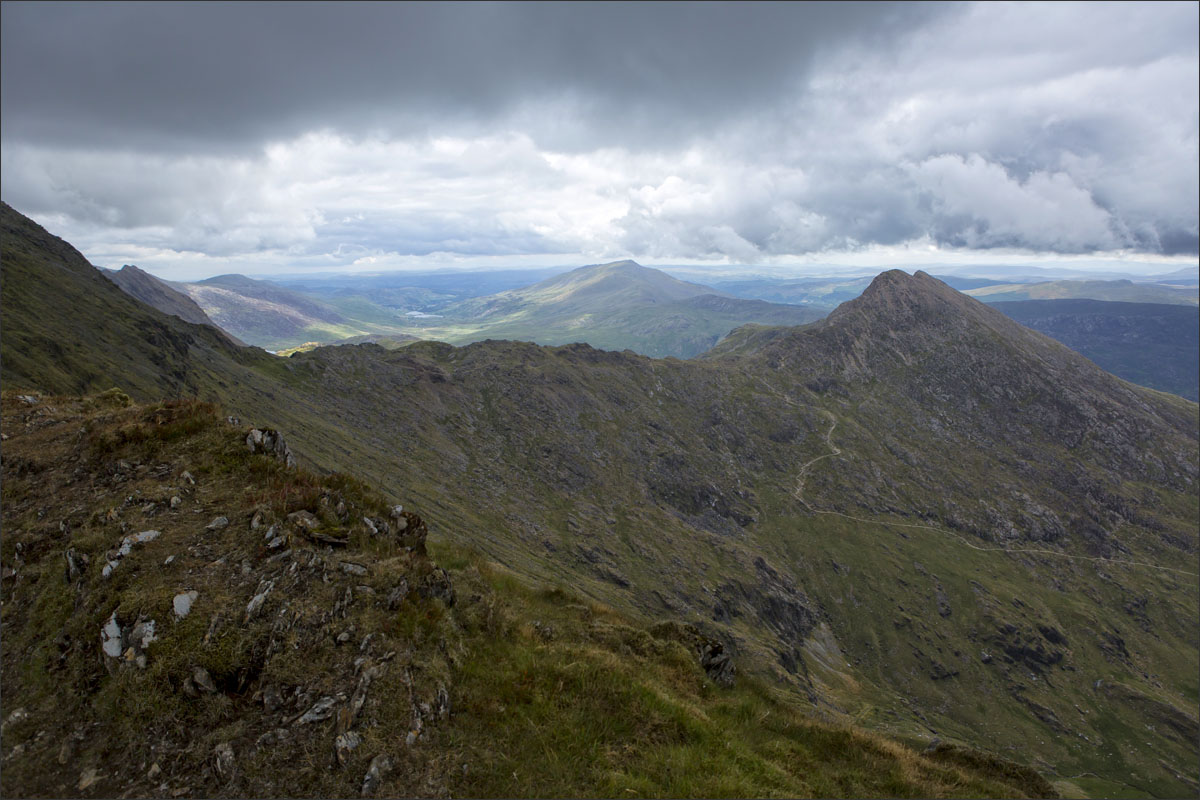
[(198, 139)]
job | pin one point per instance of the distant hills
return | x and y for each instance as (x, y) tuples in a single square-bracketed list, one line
[(616, 306), (1125, 291)]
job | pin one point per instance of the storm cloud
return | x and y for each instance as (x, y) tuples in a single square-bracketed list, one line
[(290, 136)]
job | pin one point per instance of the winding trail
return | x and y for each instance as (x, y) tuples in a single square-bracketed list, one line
[(834, 450)]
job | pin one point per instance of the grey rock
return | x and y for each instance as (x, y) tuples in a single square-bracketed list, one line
[(381, 767), (350, 568), (345, 745), (272, 699), (76, 563), (183, 603), (217, 524), (126, 548), (272, 738), (320, 710), (276, 543), (943, 602), (270, 442), (176, 501), (223, 760), (360, 692), (17, 715), (305, 519), (187, 478), (203, 680), (397, 594), (88, 778), (374, 531), (256, 602)]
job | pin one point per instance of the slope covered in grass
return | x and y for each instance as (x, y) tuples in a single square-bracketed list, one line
[(298, 664)]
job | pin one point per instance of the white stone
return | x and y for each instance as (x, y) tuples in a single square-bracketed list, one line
[(183, 603), (110, 638)]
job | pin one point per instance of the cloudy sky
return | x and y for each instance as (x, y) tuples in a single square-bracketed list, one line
[(198, 139)]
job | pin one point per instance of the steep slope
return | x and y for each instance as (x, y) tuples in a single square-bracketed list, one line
[(265, 314), (615, 306), (67, 328), (154, 292), (1151, 344), (1125, 291)]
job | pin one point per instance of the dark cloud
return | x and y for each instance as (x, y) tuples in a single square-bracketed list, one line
[(186, 75)]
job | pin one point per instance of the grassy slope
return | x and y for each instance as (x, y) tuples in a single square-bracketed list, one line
[(548, 695)]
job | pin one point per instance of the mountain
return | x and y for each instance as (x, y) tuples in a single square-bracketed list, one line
[(615, 306), (154, 292), (1125, 291), (914, 516), (1150, 344), (265, 314)]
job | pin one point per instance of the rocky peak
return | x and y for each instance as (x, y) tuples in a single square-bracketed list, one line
[(895, 297)]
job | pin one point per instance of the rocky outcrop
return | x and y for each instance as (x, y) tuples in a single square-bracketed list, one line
[(714, 659), (270, 442)]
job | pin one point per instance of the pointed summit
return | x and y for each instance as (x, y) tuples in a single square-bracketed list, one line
[(895, 296)]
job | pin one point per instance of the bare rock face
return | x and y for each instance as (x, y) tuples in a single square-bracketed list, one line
[(270, 442)]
